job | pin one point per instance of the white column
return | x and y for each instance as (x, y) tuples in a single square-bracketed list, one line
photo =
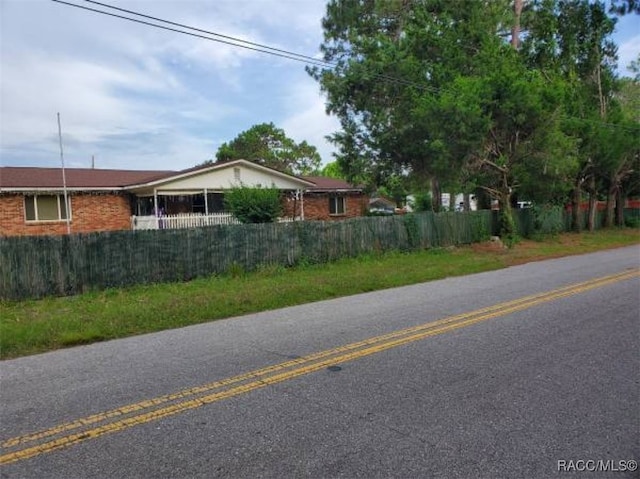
[(301, 193), (156, 211)]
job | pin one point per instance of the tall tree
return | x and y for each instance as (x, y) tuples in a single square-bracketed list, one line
[(461, 105), (571, 40), (390, 56), (269, 146)]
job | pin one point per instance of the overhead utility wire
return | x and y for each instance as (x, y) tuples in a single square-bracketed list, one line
[(228, 37), (228, 40), (257, 47), (135, 20), (239, 42)]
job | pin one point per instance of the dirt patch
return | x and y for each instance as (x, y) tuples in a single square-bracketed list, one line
[(565, 244), (489, 247)]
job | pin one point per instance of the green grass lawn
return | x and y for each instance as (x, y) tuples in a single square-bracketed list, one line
[(29, 327)]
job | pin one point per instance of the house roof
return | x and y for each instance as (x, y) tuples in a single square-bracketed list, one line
[(14, 178), (323, 183), (382, 201), (201, 169), (76, 178)]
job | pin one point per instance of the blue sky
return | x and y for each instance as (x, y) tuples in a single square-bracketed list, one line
[(136, 97)]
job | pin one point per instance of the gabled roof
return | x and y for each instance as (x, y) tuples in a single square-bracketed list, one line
[(201, 169), (382, 201)]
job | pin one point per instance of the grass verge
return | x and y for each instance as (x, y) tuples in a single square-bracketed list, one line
[(29, 327)]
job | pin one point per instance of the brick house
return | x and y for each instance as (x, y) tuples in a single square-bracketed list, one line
[(332, 199), (32, 200)]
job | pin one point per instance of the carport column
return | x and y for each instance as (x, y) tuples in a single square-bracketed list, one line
[(300, 193), (156, 212), (206, 203)]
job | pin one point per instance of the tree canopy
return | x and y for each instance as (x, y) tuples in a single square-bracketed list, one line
[(268, 145), (447, 93)]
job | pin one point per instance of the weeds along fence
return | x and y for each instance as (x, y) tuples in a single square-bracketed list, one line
[(38, 266)]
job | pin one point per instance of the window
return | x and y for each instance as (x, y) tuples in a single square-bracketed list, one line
[(236, 174), (45, 208), (337, 205)]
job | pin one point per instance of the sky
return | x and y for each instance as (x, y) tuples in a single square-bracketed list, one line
[(136, 97)]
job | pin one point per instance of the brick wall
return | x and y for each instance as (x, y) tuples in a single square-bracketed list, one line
[(89, 213), (316, 206)]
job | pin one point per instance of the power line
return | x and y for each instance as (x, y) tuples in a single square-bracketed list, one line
[(143, 22), (227, 39), (208, 32), (253, 46)]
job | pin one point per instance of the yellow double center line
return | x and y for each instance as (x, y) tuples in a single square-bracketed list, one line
[(90, 427)]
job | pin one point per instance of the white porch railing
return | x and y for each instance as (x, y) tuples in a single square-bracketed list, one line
[(189, 220), (185, 220)]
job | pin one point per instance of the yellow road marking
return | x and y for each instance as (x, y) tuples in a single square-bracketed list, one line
[(261, 378), (79, 423)]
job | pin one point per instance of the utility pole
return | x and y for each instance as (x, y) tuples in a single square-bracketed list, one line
[(64, 179)]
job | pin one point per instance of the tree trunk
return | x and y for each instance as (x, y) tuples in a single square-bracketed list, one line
[(576, 212), (619, 207), (515, 29), (508, 230), (611, 203), (436, 195), (466, 202), (591, 219)]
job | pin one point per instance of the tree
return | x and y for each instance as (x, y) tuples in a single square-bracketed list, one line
[(523, 145), (570, 40), (332, 170), (465, 110), (269, 146), (390, 56), (623, 7)]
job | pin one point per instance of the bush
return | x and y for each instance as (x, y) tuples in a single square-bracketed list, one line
[(632, 222), (423, 202), (254, 205)]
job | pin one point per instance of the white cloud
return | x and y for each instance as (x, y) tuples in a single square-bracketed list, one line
[(628, 52), (307, 120), (137, 96)]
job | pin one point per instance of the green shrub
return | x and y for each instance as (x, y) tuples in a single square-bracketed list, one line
[(632, 222), (423, 202), (254, 205)]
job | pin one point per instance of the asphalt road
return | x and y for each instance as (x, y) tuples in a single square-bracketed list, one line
[(514, 373)]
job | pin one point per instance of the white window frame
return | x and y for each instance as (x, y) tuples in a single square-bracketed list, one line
[(334, 202), (60, 201)]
